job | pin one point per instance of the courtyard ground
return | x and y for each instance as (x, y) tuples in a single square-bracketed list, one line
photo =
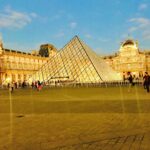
[(75, 119)]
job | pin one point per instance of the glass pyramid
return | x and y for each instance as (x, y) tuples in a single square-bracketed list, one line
[(76, 63)]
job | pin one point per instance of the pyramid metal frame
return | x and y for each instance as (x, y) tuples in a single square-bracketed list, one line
[(76, 62)]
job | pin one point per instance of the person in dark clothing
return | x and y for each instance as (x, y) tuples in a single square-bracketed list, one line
[(130, 79), (39, 86), (11, 87), (16, 85), (8, 85), (33, 85), (146, 81), (23, 84)]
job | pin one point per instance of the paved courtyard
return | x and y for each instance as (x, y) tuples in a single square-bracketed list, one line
[(75, 119)]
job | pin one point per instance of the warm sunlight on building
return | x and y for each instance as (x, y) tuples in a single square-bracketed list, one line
[(130, 59), (18, 66)]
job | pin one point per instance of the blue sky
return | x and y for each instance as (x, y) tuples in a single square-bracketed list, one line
[(102, 24)]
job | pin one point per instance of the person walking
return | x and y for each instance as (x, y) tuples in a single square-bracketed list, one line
[(146, 81)]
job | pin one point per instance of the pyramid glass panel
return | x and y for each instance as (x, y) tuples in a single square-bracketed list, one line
[(76, 63)]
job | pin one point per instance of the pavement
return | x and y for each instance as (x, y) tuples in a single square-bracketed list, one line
[(102, 126)]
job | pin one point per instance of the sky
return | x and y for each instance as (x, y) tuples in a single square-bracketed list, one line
[(101, 24)]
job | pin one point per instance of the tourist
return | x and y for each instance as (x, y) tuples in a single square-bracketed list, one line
[(11, 87), (39, 85), (35, 84), (23, 84), (8, 85), (130, 79), (146, 81), (16, 85), (32, 85)]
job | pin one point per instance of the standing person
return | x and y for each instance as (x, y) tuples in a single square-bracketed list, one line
[(32, 85), (16, 85), (23, 84), (11, 87), (39, 86), (8, 85), (36, 84), (146, 81), (130, 79)]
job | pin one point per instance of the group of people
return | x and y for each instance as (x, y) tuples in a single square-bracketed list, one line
[(37, 84), (14, 85), (146, 81)]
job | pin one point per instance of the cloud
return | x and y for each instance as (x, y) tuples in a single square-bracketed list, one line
[(143, 6), (141, 25), (59, 15), (103, 40), (141, 22), (146, 34), (73, 25), (1, 37), (88, 36), (132, 29), (56, 17), (34, 15), (14, 19), (59, 35)]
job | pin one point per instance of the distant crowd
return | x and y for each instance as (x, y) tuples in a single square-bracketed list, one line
[(39, 85), (35, 85)]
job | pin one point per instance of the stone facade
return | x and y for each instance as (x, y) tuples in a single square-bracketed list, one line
[(130, 59), (47, 50), (18, 66)]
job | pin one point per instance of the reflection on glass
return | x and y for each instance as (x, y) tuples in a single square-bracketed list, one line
[(77, 63)]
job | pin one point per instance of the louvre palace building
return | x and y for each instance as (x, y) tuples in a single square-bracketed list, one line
[(75, 62), (18, 66), (130, 58)]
